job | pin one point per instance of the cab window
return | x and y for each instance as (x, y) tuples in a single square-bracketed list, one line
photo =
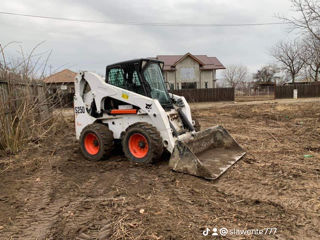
[(115, 77), (126, 78)]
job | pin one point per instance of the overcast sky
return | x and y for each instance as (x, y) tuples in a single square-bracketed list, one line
[(90, 46)]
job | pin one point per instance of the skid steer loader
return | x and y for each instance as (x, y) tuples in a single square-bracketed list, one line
[(132, 105)]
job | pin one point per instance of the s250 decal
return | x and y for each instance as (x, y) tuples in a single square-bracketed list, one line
[(79, 110)]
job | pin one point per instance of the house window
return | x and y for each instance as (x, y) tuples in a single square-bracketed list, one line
[(188, 85), (205, 84), (187, 74)]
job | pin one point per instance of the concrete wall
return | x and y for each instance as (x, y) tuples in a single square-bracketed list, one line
[(214, 77), (171, 77), (206, 77), (188, 71)]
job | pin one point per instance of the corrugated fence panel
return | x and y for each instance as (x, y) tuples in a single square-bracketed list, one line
[(206, 94), (304, 91)]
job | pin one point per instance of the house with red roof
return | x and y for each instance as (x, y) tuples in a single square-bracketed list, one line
[(190, 71), (63, 80)]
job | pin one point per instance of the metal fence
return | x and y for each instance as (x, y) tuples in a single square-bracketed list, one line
[(268, 90), (254, 94), (304, 91), (206, 94)]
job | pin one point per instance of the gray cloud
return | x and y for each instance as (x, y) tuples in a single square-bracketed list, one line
[(93, 46)]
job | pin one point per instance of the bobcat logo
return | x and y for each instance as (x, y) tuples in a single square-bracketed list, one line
[(148, 106)]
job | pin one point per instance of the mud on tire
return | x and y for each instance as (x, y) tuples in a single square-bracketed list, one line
[(142, 143), (96, 141)]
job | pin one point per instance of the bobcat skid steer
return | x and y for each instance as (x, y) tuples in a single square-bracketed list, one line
[(132, 105)]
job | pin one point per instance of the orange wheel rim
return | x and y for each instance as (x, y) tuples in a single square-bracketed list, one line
[(138, 145), (91, 144)]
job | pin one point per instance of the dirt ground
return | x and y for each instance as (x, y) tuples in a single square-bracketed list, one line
[(254, 98), (51, 192)]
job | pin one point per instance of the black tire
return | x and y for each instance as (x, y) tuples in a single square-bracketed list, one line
[(197, 125), (103, 140), (153, 138)]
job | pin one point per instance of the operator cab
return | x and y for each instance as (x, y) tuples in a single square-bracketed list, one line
[(142, 76)]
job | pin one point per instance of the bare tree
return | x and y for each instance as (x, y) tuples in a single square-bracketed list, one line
[(266, 74), (311, 57), (289, 55), (235, 74), (309, 16)]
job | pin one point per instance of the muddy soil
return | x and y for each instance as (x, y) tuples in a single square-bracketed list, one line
[(49, 191)]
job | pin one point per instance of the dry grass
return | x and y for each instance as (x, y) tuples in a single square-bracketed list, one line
[(26, 108), (254, 98)]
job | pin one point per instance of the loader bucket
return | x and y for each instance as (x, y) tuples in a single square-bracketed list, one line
[(207, 154)]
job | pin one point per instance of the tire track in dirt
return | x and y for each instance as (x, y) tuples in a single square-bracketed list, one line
[(52, 209), (88, 207), (268, 194), (41, 212), (274, 185)]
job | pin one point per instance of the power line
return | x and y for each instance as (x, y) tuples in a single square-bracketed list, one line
[(155, 24)]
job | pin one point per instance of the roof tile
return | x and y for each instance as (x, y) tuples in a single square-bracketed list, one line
[(65, 76), (210, 63)]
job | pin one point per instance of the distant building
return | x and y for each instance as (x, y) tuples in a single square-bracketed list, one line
[(304, 81), (62, 81), (190, 71)]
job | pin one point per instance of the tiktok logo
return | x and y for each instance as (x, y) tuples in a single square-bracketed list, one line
[(207, 231)]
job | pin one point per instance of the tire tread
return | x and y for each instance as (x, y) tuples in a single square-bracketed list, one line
[(155, 138), (106, 135)]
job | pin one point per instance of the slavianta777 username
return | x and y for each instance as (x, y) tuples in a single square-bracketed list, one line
[(234, 231)]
